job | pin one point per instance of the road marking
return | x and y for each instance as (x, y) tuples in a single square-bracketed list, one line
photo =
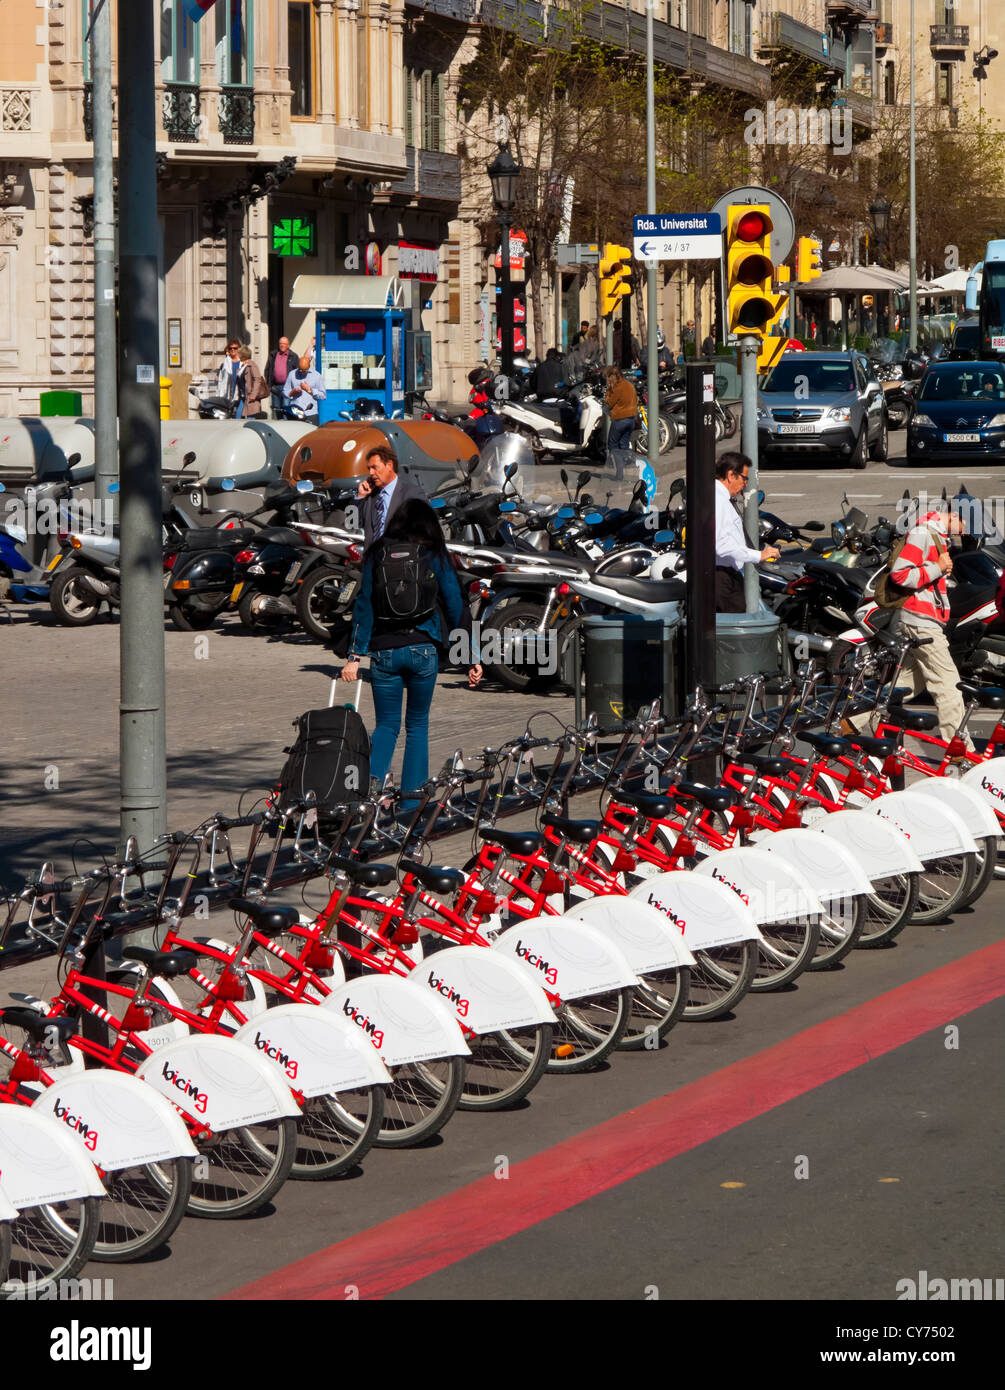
[(439, 1233), (787, 494)]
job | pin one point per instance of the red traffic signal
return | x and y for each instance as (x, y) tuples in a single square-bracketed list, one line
[(752, 226)]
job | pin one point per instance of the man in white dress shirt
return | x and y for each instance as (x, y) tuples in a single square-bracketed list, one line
[(731, 549)]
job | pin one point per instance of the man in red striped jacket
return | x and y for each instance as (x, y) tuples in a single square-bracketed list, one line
[(921, 569)]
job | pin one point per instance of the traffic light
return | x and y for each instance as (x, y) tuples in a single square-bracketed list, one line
[(615, 268), (753, 305), (809, 258)]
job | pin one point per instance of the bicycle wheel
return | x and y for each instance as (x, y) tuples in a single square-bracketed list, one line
[(588, 1030), (334, 1132), (143, 1209), (657, 1004), (49, 1244), (506, 1066), (420, 1100), (784, 952), (942, 887), (720, 977), (840, 928), (984, 870), (239, 1170), (888, 909)]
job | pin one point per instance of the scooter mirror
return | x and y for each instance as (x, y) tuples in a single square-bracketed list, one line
[(564, 476), (565, 513), (510, 470), (2, 488), (473, 464), (303, 485), (189, 459), (226, 485), (678, 485), (583, 479), (760, 495), (664, 537)]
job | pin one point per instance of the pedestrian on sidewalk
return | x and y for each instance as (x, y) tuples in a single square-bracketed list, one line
[(622, 402), (251, 386), (281, 363), (732, 552), (409, 608)]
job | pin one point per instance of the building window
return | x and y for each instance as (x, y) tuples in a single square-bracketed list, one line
[(179, 44), (700, 17), (434, 114), (233, 42), (677, 13), (890, 84), (408, 92), (944, 84), (741, 37), (301, 25)]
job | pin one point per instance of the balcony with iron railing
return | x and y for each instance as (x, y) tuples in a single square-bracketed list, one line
[(781, 32), (953, 36), (237, 115), (849, 8), (884, 34), (181, 113)]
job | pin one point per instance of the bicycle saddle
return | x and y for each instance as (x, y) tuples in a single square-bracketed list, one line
[(762, 762), (166, 963), (875, 747), (270, 921), (514, 841), (827, 744), (367, 875), (915, 720), (654, 807), (987, 696), (712, 798), (38, 1026), (436, 877), (580, 832)]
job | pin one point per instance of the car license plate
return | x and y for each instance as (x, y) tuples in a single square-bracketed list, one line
[(797, 429), (56, 559), (235, 592), (961, 439)]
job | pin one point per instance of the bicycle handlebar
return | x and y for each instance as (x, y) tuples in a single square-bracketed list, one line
[(233, 823)]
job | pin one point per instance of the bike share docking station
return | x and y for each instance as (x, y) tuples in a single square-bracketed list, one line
[(362, 345)]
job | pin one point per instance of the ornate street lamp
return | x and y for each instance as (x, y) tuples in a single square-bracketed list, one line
[(879, 211), (504, 173)]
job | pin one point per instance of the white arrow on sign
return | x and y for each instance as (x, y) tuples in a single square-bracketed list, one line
[(697, 247)]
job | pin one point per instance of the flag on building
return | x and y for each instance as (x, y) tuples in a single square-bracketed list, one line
[(195, 9)]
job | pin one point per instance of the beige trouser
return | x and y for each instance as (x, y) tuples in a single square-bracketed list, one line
[(928, 668)]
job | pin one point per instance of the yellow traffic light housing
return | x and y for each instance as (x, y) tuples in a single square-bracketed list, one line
[(809, 258), (615, 268), (754, 307)]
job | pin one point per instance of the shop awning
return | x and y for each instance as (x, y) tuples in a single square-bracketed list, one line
[(347, 292)]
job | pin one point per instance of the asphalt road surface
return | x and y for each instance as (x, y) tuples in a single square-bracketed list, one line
[(823, 1145)]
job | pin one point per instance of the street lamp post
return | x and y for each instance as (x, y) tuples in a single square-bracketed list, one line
[(504, 174), (913, 253), (879, 211)]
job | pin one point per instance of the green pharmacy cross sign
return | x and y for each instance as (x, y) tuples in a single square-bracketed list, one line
[(293, 236)]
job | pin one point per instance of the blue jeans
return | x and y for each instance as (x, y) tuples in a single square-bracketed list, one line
[(620, 433), (393, 673)]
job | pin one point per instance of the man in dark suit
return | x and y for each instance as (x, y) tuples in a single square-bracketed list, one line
[(384, 491)]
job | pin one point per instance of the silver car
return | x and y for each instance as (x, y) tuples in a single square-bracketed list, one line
[(823, 403)]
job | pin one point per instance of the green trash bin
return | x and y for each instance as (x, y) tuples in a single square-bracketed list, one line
[(630, 661), (748, 644), (60, 403)]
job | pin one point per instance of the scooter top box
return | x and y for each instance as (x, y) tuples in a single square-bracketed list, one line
[(427, 450)]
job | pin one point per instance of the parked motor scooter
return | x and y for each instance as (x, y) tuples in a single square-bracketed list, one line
[(20, 580)]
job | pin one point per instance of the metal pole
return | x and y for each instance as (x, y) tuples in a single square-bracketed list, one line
[(506, 300), (106, 461), (652, 308), (913, 255), (143, 791), (748, 445), (700, 541)]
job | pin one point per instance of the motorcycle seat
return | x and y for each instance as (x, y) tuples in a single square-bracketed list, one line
[(987, 696), (647, 590), (712, 798), (857, 578), (436, 877), (212, 538), (280, 535)]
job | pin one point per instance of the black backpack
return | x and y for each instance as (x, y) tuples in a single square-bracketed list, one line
[(331, 758), (405, 588)]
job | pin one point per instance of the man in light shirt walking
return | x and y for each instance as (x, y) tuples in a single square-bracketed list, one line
[(731, 549)]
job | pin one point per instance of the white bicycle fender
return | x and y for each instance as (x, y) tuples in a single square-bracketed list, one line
[(218, 1081), (643, 933), (966, 800), (314, 1051), (773, 889), (403, 1021), (989, 780), (8, 1211), (119, 1121), (934, 830), (828, 865), (572, 959), (41, 1162), (487, 991), (877, 844), (704, 911)]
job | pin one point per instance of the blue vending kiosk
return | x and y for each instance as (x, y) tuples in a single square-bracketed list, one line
[(359, 339)]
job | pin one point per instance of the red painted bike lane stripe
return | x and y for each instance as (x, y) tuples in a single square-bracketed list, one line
[(409, 1247)]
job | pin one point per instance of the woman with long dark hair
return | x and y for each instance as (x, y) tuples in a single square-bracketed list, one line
[(409, 607)]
